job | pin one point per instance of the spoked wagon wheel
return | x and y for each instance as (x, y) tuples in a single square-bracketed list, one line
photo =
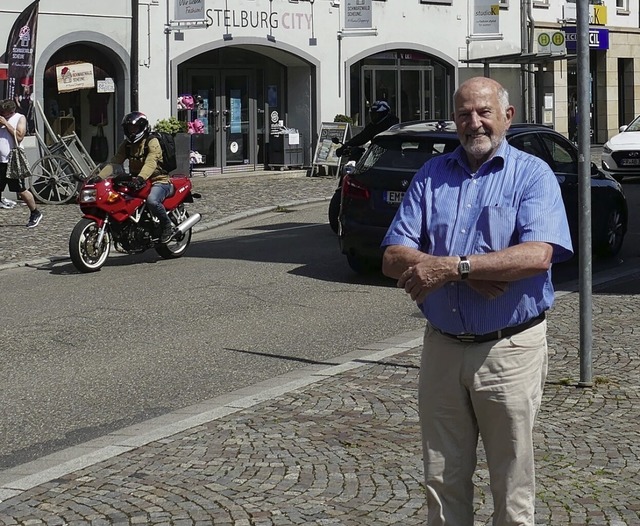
[(54, 180)]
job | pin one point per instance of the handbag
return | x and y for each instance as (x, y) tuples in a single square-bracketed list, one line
[(18, 164), (99, 149)]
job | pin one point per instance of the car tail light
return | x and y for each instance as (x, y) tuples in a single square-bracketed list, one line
[(351, 188)]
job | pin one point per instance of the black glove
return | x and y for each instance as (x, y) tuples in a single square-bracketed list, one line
[(340, 151), (137, 183), (133, 182)]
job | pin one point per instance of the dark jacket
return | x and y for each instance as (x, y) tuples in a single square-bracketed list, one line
[(371, 130)]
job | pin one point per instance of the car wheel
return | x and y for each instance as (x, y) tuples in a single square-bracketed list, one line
[(609, 241)]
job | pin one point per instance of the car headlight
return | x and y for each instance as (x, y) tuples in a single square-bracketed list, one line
[(606, 149)]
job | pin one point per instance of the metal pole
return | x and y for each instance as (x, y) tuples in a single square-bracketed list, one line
[(135, 44), (584, 172)]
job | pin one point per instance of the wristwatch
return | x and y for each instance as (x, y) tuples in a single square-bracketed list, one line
[(464, 267)]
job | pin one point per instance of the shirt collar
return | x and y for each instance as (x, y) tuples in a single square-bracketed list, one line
[(460, 157)]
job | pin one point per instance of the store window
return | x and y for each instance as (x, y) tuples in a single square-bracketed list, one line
[(416, 86)]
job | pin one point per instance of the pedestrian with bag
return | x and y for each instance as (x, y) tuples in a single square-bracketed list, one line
[(473, 243), (13, 162)]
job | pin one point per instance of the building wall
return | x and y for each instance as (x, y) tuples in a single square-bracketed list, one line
[(442, 31)]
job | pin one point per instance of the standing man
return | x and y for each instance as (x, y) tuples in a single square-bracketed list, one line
[(473, 243), (13, 127)]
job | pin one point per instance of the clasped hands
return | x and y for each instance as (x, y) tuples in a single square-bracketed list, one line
[(433, 272)]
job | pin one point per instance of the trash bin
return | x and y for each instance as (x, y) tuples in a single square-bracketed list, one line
[(285, 150)]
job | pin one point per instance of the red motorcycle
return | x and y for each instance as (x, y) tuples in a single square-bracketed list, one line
[(115, 211)]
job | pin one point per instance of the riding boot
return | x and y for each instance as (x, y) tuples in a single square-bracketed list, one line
[(167, 232)]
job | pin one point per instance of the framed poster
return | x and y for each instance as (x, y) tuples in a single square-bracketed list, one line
[(325, 149)]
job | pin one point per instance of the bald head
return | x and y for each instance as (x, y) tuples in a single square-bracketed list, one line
[(483, 115), (478, 84)]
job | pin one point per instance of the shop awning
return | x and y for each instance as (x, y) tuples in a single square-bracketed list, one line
[(521, 58)]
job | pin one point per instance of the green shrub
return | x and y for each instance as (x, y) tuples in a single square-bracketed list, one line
[(343, 118), (171, 125)]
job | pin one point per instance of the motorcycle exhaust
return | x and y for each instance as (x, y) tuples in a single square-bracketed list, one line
[(188, 223)]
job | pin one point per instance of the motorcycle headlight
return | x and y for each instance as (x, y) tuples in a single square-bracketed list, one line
[(87, 196)]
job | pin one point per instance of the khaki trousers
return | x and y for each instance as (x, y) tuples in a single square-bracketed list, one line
[(492, 389)]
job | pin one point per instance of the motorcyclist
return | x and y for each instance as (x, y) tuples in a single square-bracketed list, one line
[(145, 158), (381, 119)]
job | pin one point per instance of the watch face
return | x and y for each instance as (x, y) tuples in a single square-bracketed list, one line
[(464, 267)]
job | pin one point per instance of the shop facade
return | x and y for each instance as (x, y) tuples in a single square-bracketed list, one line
[(244, 74), (614, 51)]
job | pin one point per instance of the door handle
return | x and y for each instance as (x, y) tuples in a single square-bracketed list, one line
[(215, 114), (225, 117)]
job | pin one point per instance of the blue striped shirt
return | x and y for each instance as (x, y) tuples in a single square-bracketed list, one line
[(514, 197)]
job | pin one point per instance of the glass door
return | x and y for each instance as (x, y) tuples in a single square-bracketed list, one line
[(238, 129), (225, 114), (409, 90), (204, 114)]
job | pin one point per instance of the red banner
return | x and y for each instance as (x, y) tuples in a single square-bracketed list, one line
[(21, 53)]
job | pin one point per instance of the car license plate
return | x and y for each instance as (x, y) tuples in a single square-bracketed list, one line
[(393, 197), (629, 162)]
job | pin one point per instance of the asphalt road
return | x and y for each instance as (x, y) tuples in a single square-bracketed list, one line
[(84, 355)]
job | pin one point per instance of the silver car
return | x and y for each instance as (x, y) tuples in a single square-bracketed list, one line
[(621, 153)]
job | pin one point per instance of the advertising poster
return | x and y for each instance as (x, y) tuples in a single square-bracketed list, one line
[(72, 77), (358, 14), (486, 17), (21, 52)]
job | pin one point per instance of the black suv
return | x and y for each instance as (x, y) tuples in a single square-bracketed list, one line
[(372, 193)]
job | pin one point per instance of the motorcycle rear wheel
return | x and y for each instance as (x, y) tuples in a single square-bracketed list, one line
[(85, 255), (179, 242)]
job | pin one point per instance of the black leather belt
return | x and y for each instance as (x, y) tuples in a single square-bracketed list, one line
[(496, 335)]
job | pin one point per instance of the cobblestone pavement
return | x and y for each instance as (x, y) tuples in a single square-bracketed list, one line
[(222, 198), (342, 447), (339, 444)]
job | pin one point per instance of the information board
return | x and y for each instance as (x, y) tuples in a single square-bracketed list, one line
[(326, 150)]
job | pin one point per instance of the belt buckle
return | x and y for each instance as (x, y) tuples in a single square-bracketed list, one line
[(466, 338)]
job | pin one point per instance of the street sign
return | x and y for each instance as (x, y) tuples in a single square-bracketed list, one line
[(551, 42)]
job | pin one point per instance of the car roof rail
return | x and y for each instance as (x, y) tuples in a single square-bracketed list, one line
[(425, 125)]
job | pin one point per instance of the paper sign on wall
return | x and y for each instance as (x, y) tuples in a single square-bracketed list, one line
[(189, 10)]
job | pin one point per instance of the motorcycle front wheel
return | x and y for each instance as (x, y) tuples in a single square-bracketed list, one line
[(179, 242), (85, 253)]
